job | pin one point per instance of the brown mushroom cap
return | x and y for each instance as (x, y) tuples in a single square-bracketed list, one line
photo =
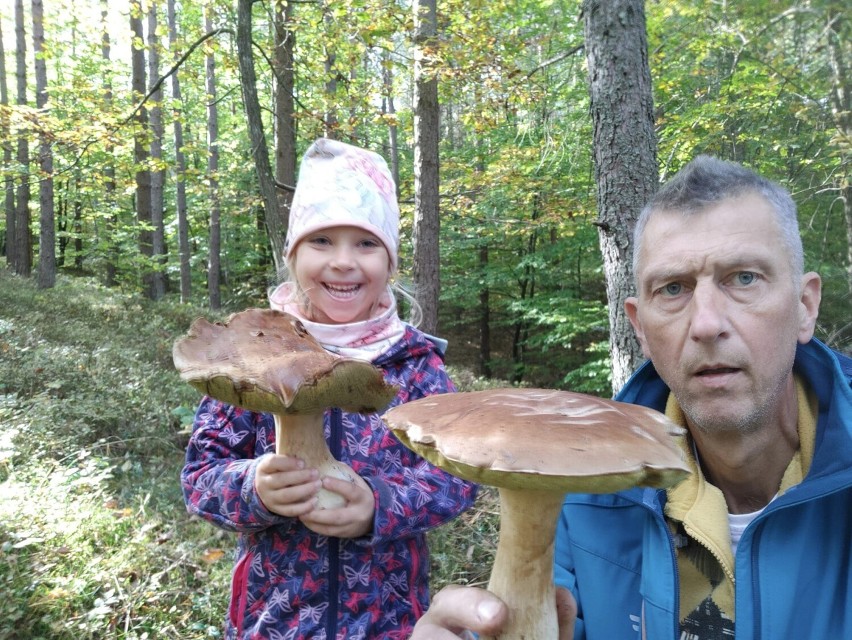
[(265, 360), (542, 439)]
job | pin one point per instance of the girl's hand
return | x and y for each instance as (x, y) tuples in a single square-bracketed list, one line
[(352, 520), (285, 486)]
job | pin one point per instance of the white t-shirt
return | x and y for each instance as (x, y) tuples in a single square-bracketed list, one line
[(737, 523)]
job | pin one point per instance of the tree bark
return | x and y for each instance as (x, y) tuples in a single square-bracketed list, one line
[(426, 208), (23, 243), (140, 146), (47, 217), (285, 124), (837, 30), (275, 229), (330, 119), (214, 265), (111, 260), (389, 108), (155, 114), (7, 243), (625, 153), (180, 161)]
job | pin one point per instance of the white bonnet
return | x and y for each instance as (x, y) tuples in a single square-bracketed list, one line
[(340, 184)]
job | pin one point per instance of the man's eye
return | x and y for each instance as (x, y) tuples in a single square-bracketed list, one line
[(672, 289), (746, 277)]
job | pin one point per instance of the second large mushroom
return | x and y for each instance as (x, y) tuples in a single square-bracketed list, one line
[(536, 445), (266, 361)]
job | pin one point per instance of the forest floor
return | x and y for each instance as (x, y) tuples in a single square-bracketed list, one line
[(95, 541)]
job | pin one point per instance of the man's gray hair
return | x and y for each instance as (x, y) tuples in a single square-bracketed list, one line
[(706, 181)]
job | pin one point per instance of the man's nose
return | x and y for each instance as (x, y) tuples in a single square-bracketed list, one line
[(709, 313)]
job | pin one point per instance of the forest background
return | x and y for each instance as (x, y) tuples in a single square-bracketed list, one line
[(154, 220)]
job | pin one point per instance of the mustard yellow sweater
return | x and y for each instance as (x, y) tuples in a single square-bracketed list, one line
[(697, 509)]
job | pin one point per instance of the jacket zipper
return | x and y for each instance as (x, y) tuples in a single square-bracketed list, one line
[(335, 439), (658, 516)]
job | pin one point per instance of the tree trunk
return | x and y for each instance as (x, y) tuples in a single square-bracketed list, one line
[(285, 125), (180, 160), (140, 146), (260, 150), (484, 316), (109, 170), (330, 119), (837, 31), (389, 108), (158, 238), (7, 242), (426, 226), (22, 250), (77, 227), (625, 153), (214, 268), (47, 217)]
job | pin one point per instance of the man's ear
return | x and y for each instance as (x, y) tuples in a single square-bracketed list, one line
[(809, 305), (631, 307)]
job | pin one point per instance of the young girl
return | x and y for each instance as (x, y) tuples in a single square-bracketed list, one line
[(359, 571)]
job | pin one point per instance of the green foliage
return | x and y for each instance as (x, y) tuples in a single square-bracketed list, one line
[(94, 539)]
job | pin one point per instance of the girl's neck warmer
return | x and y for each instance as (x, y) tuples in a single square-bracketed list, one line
[(365, 340)]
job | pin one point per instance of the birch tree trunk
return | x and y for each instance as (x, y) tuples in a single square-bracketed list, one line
[(625, 153), (426, 229)]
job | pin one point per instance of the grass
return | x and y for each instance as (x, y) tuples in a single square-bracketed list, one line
[(95, 542)]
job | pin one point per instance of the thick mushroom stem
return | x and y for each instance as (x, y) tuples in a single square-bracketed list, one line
[(522, 574), (302, 436)]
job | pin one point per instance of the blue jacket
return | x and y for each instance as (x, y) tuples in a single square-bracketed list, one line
[(290, 582), (793, 563)]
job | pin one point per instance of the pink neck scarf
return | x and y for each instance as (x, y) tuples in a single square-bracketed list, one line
[(365, 340)]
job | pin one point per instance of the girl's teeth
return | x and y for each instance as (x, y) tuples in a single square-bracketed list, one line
[(342, 291)]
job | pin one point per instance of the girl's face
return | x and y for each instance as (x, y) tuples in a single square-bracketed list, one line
[(343, 271)]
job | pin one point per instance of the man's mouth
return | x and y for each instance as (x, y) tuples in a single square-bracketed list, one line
[(712, 371)]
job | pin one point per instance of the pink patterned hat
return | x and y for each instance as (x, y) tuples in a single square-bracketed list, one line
[(343, 185)]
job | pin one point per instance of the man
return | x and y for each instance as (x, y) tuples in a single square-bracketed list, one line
[(759, 538)]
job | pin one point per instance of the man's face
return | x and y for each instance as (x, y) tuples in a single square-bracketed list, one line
[(718, 311)]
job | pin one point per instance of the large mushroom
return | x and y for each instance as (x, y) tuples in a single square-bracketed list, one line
[(536, 445), (265, 360)]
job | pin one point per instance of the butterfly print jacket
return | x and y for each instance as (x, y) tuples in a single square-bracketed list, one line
[(289, 582)]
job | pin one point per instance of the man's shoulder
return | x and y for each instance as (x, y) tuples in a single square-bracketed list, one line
[(820, 362)]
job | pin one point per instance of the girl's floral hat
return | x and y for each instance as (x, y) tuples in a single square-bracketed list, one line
[(343, 185)]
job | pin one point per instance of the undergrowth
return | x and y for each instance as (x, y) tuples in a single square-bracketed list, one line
[(95, 541)]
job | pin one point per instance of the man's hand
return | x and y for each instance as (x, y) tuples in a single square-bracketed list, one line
[(456, 611)]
